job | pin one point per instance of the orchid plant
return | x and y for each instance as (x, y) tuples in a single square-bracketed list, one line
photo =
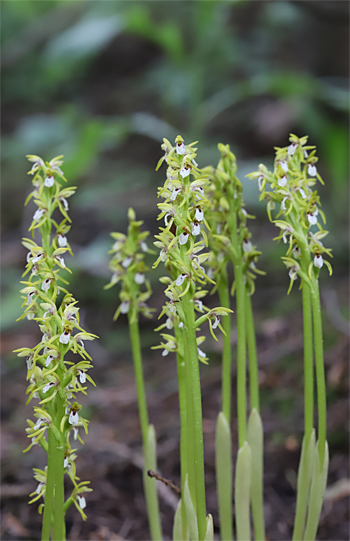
[(54, 381), (300, 220), (205, 230)]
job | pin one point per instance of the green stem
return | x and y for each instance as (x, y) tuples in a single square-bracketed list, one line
[(308, 365), (181, 376), (241, 353), (191, 359), (141, 395), (252, 354), (58, 523), (148, 435), (50, 485), (320, 375), (226, 352)]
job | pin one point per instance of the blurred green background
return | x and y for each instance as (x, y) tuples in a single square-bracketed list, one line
[(102, 82)]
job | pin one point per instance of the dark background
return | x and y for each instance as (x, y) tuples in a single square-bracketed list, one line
[(103, 83)]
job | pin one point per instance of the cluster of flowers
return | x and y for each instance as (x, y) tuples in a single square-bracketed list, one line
[(229, 239), (183, 212), (292, 180), (50, 376), (129, 268)]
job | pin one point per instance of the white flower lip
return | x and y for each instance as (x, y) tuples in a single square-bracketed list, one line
[(284, 166), (73, 418), (139, 278), (144, 246), (312, 218), (82, 376), (82, 502), (124, 307), (292, 148), (302, 193), (183, 238), (199, 214), (65, 337), (38, 214), (282, 181), (48, 386), (49, 181), (185, 171), (180, 148), (180, 279), (175, 193), (61, 260), (62, 241), (318, 261), (247, 246), (45, 286), (216, 322), (312, 170), (127, 261), (195, 228), (200, 352)]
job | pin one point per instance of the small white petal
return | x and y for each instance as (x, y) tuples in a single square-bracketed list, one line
[(165, 352), (65, 203), (48, 386), (292, 274), (302, 193), (201, 353), (180, 279), (318, 261), (181, 325), (183, 238), (306, 154), (38, 424), (180, 148), (39, 487), (312, 218), (199, 304), (196, 229), (127, 261), (312, 170), (284, 166), (65, 463), (29, 362), (144, 246), (49, 181), (65, 337), (163, 255), (124, 307), (82, 502), (37, 258), (29, 257), (139, 278), (169, 324), (75, 431), (283, 203), (292, 148), (61, 260), (199, 214), (296, 252), (282, 181), (62, 241), (194, 162), (185, 171), (175, 194), (247, 246), (260, 181), (38, 214), (73, 418), (284, 236), (30, 315), (45, 286), (216, 322), (82, 376)]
